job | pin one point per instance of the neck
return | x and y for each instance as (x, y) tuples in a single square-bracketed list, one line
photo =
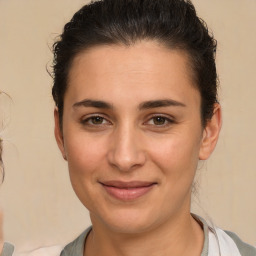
[(180, 236)]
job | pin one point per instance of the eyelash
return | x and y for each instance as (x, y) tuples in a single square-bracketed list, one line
[(91, 118), (167, 121), (89, 121)]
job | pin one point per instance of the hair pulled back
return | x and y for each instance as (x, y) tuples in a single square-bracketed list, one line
[(174, 23)]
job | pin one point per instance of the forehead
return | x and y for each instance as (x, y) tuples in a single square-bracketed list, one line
[(147, 68)]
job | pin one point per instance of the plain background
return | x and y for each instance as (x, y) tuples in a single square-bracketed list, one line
[(39, 204)]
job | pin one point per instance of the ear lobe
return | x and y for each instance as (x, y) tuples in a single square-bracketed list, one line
[(211, 133), (58, 133)]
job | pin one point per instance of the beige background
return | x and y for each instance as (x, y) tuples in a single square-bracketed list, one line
[(39, 204)]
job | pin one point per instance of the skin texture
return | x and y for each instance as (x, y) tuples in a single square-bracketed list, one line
[(129, 138)]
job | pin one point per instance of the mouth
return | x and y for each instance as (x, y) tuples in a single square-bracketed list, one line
[(127, 191)]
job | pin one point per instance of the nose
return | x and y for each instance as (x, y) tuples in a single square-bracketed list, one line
[(126, 152)]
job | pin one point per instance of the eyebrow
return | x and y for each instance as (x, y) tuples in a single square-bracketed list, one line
[(144, 105), (160, 103), (93, 103)]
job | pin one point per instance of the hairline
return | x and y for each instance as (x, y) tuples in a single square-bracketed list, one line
[(161, 43)]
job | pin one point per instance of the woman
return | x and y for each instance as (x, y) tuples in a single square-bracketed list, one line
[(135, 88)]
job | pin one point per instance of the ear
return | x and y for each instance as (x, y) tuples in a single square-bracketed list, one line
[(211, 133), (58, 133)]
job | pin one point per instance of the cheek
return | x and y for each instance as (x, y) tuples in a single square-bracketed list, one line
[(85, 155), (176, 155), (85, 162)]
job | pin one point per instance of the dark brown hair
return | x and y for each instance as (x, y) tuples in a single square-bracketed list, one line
[(174, 23)]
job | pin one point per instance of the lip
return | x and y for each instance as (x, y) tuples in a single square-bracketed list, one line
[(127, 191)]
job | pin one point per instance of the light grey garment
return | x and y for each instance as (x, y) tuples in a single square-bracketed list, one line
[(7, 249), (76, 248), (244, 248)]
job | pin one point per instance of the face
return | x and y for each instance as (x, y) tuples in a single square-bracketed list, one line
[(132, 134)]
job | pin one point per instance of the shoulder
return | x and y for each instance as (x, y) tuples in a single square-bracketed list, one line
[(230, 244), (7, 249), (225, 242), (44, 251), (244, 248), (77, 246)]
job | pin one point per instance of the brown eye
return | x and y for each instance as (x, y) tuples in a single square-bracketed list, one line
[(159, 120), (97, 120)]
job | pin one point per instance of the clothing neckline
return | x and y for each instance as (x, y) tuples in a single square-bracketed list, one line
[(81, 241)]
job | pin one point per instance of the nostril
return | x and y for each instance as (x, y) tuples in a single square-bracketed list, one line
[(126, 161)]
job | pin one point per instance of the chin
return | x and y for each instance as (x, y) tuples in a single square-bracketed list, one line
[(127, 221), (128, 227)]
